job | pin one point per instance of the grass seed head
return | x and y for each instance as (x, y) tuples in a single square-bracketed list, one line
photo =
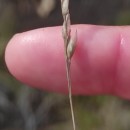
[(71, 46), (65, 6)]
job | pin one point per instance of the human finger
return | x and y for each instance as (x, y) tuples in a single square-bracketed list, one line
[(100, 64)]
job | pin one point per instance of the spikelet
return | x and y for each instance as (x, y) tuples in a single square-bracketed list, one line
[(70, 44)]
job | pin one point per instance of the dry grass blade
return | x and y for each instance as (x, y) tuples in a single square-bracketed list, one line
[(69, 44)]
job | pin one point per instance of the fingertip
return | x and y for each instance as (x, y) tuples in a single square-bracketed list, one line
[(36, 58)]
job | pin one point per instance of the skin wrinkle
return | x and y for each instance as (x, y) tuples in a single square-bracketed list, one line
[(115, 69), (121, 39), (123, 72)]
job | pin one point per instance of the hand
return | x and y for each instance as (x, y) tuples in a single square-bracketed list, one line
[(100, 65)]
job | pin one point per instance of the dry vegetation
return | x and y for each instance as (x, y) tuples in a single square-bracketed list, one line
[(23, 108)]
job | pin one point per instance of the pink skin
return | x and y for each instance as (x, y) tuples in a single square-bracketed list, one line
[(100, 65)]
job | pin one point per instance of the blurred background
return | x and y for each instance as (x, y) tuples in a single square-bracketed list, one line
[(24, 108)]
